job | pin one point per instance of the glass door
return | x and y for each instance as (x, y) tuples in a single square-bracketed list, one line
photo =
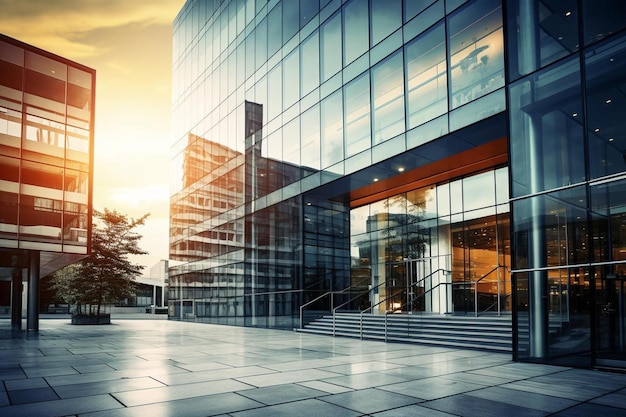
[(611, 332)]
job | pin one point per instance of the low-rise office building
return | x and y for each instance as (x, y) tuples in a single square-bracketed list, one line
[(46, 175)]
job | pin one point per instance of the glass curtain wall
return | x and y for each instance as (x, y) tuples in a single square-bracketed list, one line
[(45, 157), (567, 165), (341, 85), (441, 249)]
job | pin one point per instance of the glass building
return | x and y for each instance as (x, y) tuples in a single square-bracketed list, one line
[(46, 176), (436, 157)]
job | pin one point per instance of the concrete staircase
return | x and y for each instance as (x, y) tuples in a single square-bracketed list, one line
[(490, 333)]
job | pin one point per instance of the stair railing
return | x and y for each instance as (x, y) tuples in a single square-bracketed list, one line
[(334, 310), (327, 294), (475, 284)]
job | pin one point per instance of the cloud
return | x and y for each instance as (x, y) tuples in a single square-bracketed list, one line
[(61, 25)]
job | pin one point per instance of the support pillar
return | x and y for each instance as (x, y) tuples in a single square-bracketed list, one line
[(32, 319), (16, 299)]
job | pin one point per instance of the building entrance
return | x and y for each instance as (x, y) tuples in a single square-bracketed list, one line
[(440, 249)]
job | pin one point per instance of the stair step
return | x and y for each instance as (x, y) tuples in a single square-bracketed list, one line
[(492, 333)]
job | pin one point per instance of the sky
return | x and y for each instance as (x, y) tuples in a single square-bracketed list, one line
[(129, 44)]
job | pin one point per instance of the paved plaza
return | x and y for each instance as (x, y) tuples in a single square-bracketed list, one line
[(155, 367)]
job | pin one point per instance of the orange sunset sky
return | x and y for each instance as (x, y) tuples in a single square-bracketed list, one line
[(129, 44)]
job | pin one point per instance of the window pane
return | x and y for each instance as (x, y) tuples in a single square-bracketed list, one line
[(330, 53), (479, 191), (275, 96), (332, 129), (388, 96), (308, 9), (357, 107), (291, 19), (546, 131), (536, 42), (274, 30), (291, 79), (605, 69), (309, 64), (476, 51), (427, 95), (310, 152), (386, 18), (356, 30), (602, 18), (261, 43)]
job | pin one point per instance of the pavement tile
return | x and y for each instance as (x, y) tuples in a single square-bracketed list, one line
[(369, 401), (305, 408), (614, 399), (32, 395), (210, 405), (588, 409), (277, 394), (66, 407), (95, 388), (431, 388), (530, 400), (468, 406), (177, 392)]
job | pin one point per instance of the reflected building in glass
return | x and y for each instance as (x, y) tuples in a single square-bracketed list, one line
[(435, 158), (46, 159)]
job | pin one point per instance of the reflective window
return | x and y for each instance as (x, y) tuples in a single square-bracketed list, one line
[(536, 42), (330, 52), (11, 71), (609, 221), (551, 229), (291, 142), (476, 51), (357, 117), (309, 64), (274, 30), (413, 8), (356, 30), (275, 96), (386, 18), (261, 43), (605, 69), (388, 98), (10, 126), (427, 80), (310, 139), (602, 18), (291, 79), (250, 60), (546, 135), (332, 129), (479, 191), (291, 19), (308, 9)]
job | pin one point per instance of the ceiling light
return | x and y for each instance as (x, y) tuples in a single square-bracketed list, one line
[(401, 169), (375, 179), (568, 13), (574, 114), (608, 101), (597, 129), (611, 139)]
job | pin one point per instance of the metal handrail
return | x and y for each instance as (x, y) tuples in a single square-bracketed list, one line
[(326, 294), (471, 283)]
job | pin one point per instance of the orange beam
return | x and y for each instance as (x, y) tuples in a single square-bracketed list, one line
[(477, 159)]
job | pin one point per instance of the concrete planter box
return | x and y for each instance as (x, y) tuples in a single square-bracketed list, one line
[(91, 319)]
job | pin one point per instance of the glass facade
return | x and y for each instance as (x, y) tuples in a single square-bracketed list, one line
[(46, 155), (400, 146)]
